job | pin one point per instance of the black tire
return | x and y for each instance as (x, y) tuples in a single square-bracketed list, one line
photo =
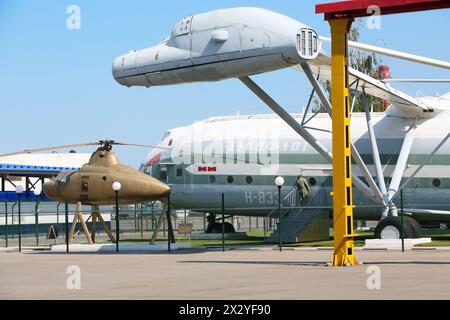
[(417, 229), (217, 228), (394, 222), (214, 227), (229, 228)]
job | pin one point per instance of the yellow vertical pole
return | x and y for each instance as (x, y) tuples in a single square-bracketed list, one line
[(342, 173)]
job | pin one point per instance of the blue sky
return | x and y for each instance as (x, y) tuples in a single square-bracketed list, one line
[(56, 85)]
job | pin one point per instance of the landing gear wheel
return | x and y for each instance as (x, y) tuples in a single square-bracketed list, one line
[(389, 228), (217, 228), (229, 227), (214, 227), (212, 224), (417, 229)]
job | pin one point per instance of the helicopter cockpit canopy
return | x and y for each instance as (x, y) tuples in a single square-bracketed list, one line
[(64, 176)]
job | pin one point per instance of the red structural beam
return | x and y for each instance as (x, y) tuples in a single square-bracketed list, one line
[(358, 8)]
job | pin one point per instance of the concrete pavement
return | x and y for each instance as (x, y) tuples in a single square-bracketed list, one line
[(261, 273)]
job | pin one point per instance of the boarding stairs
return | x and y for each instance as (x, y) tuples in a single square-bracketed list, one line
[(309, 222)]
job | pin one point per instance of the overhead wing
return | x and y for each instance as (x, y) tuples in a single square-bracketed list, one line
[(403, 104)]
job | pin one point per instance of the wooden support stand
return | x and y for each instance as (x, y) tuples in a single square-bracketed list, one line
[(90, 236), (97, 216), (163, 215), (158, 226)]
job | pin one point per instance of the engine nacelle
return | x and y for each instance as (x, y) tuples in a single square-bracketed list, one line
[(218, 45)]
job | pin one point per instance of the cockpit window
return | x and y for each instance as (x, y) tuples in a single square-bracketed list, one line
[(163, 173), (147, 170), (165, 40), (182, 27), (64, 176)]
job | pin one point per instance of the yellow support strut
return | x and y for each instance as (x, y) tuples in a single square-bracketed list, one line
[(342, 166)]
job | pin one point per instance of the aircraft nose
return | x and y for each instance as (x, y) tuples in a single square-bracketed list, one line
[(165, 190), (49, 189), (121, 64), (159, 189), (154, 189), (117, 68)]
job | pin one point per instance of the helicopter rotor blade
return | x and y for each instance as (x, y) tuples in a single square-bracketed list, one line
[(135, 145), (113, 142), (76, 145), (174, 149), (51, 148)]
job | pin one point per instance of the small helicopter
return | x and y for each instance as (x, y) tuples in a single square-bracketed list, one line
[(92, 184)]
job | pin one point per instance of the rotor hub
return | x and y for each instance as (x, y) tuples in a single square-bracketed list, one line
[(106, 145)]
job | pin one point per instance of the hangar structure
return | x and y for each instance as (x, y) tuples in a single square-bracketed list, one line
[(31, 170)]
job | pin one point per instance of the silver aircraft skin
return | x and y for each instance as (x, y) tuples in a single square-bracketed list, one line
[(218, 45), (406, 147), (197, 178)]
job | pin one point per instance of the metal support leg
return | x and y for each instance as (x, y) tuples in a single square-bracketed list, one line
[(342, 178), (317, 87), (425, 162), (374, 145), (36, 221), (66, 212), (375, 153), (400, 166), (366, 173), (6, 223), (355, 154), (307, 106), (286, 117)]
